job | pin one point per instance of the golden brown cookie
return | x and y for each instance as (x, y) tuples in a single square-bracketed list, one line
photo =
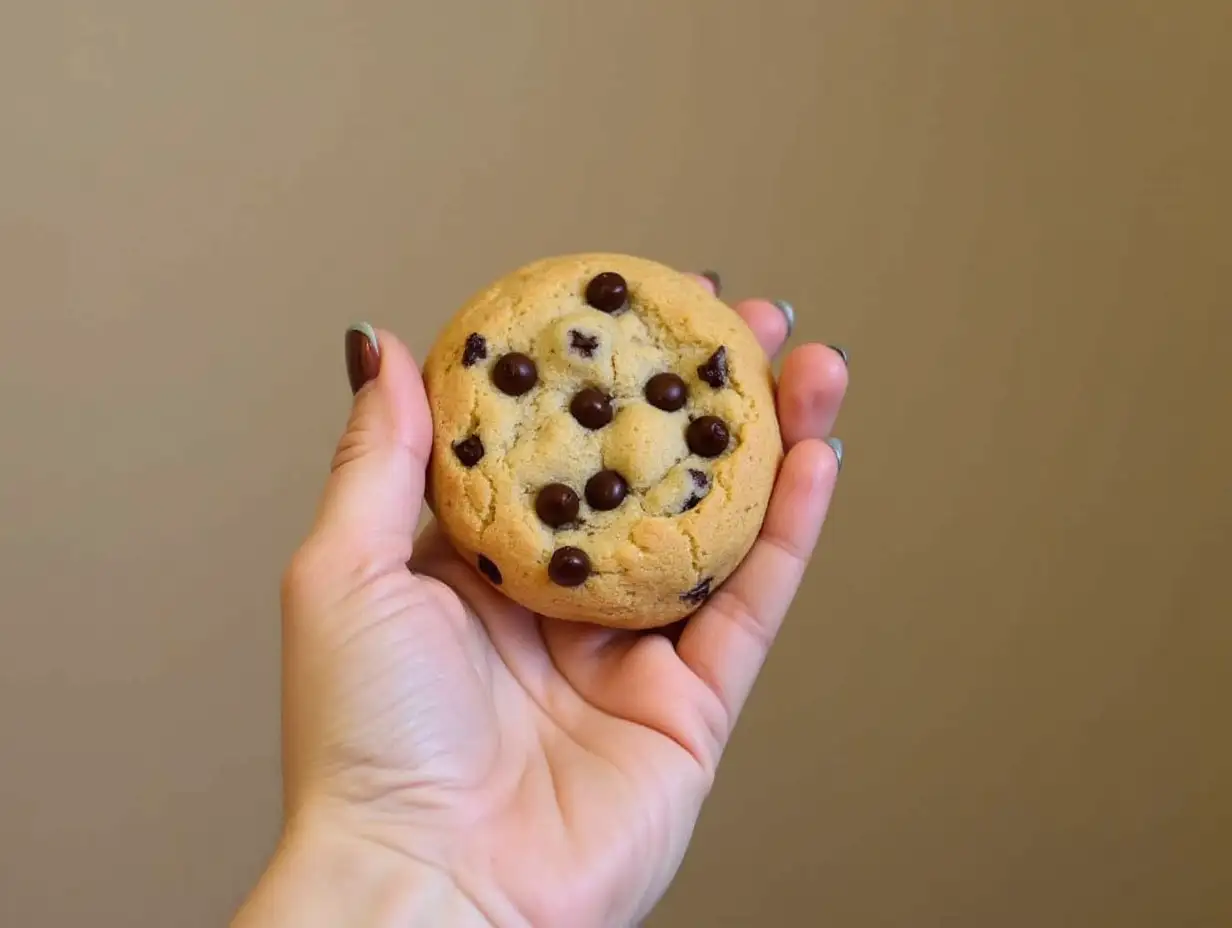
[(606, 438)]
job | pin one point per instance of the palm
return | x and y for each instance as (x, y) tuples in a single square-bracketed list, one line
[(485, 712)]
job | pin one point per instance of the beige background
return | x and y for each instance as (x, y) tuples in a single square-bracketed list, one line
[(1002, 699)]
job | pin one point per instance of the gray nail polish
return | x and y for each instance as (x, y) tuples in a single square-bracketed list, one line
[(836, 445), (715, 280), (841, 352), (367, 331), (789, 312)]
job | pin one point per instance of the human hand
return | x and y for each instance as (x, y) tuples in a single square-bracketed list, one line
[(451, 758)]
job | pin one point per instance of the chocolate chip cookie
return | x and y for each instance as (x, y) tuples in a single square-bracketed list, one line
[(606, 439)]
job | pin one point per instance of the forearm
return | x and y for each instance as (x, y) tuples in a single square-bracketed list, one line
[(323, 880)]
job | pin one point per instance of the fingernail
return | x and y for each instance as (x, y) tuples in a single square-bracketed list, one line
[(841, 352), (836, 445), (786, 309), (715, 280), (363, 355)]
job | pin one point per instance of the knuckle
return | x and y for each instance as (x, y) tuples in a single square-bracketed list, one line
[(351, 446), (718, 714), (362, 433), (796, 554), (739, 612)]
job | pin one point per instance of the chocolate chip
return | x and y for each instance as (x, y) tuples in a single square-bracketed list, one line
[(714, 371), (515, 374), (667, 392), (569, 567), (490, 570), (699, 594), (557, 505), (708, 437), (469, 451), (583, 344), (592, 408), (702, 484), (606, 490), (608, 292), (476, 350)]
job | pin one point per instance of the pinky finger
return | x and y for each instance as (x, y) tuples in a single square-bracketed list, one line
[(727, 641)]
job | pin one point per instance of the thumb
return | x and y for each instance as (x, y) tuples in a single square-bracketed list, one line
[(372, 500)]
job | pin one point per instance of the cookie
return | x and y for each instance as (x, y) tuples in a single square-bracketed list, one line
[(605, 439)]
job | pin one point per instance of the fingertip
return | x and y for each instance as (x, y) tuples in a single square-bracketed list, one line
[(402, 383), (823, 365), (768, 323), (389, 343), (811, 389), (801, 494), (709, 280)]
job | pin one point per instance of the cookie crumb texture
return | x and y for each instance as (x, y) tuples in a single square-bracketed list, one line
[(606, 439)]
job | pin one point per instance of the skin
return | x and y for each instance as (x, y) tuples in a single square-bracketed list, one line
[(453, 759)]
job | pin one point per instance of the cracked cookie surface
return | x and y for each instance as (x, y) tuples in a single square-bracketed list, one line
[(605, 438)]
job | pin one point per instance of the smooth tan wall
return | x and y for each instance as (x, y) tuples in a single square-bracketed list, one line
[(1002, 699)]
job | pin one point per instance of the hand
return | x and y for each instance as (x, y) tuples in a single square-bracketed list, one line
[(459, 759)]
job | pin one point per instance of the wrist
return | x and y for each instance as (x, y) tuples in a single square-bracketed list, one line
[(322, 875)]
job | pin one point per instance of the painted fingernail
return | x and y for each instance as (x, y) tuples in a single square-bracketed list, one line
[(836, 445), (363, 355), (841, 352), (789, 312), (715, 281)]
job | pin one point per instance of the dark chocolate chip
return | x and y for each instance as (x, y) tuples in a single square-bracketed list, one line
[(592, 408), (606, 490), (702, 484), (557, 505), (515, 374), (569, 567), (469, 451), (708, 437), (699, 594), (608, 292), (583, 344), (667, 392), (476, 350), (490, 570), (714, 371)]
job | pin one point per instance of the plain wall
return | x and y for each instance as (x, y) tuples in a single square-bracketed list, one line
[(1002, 697)]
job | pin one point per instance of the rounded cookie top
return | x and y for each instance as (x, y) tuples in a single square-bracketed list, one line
[(606, 438)]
